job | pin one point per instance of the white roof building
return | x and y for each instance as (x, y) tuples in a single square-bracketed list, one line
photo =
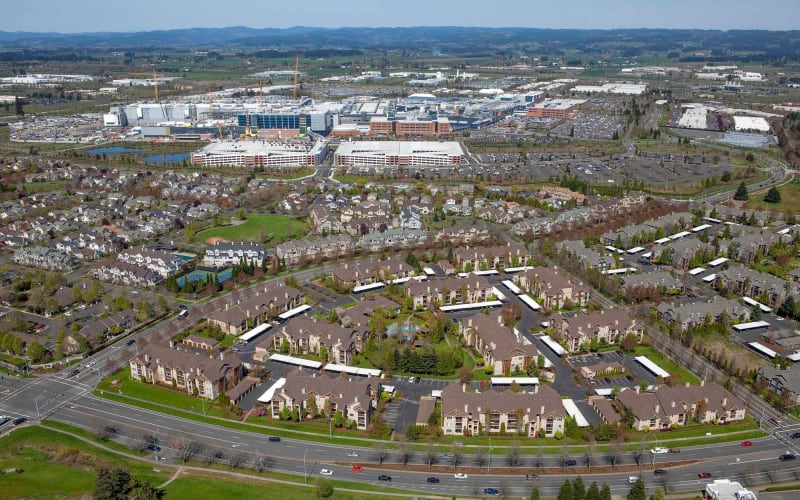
[(751, 123)]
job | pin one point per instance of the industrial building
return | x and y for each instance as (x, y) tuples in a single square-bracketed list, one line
[(394, 153), (259, 153), (556, 108)]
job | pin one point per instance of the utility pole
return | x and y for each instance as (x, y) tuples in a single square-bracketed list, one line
[(305, 471)]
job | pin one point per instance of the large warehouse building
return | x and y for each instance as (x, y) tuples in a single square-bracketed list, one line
[(396, 153), (267, 154)]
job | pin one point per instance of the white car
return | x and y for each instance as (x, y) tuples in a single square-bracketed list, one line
[(659, 451), (326, 472), (352, 454), (460, 475)]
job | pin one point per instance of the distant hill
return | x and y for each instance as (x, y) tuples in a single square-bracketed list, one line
[(770, 45)]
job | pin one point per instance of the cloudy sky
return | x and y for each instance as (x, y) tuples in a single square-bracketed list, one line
[(142, 15)]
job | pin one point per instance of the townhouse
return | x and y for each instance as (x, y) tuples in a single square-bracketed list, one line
[(121, 273), (499, 346), (461, 235), (222, 254), (393, 238), (529, 414), (162, 263), (496, 257), (605, 327), (661, 280), (304, 251), (304, 335), (590, 258), (552, 289), (667, 407), (356, 399), (700, 312), (44, 258), (449, 291), (198, 375), (747, 246), (785, 383), (766, 288)]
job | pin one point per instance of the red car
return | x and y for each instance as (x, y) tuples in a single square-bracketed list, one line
[(704, 475), (358, 468), (747, 443)]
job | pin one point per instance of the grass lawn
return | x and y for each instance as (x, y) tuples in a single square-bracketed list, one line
[(41, 187), (664, 362), (287, 176), (258, 228), (789, 204), (58, 466)]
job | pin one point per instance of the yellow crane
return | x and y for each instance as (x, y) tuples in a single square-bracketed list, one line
[(296, 65), (155, 81)]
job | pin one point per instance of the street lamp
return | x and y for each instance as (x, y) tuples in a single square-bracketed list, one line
[(489, 463)]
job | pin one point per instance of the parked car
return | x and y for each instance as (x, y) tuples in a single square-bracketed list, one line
[(433, 480), (357, 468), (460, 475), (275, 439), (704, 475), (326, 472), (747, 443), (384, 477), (491, 491)]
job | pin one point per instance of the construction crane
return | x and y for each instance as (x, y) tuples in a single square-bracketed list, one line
[(155, 81), (294, 89)]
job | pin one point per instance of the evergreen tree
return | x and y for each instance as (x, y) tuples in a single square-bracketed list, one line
[(605, 492), (535, 494), (773, 195), (578, 489), (637, 491), (112, 484), (593, 493), (658, 494), (566, 492), (741, 193)]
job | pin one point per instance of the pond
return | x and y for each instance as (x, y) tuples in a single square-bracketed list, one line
[(114, 150), (166, 159)]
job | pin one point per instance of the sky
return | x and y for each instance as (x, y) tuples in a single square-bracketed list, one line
[(145, 15)]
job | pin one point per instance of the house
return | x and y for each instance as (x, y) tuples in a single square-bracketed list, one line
[(354, 398), (410, 218), (540, 413), (195, 374), (603, 327), (785, 383), (552, 289), (429, 294), (222, 254), (329, 341), (667, 407), (765, 288), (499, 346), (496, 257), (697, 313)]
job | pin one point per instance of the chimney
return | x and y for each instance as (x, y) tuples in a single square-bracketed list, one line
[(637, 389), (303, 391), (541, 411), (658, 408), (702, 383), (172, 344), (341, 396), (725, 401)]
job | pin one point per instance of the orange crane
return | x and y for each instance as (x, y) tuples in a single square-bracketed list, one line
[(296, 65)]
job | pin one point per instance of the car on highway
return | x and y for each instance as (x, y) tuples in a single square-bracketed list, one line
[(460, 475), (357, 468), (4, 419), (659, 472), (73, 373), (704, 475), (41, 326), (19, 420), (659, 451), (91, 363), (491, 491), (326, 472), (275, 439), (433, 480), (632, 479), (154, 447), (747, 443), (352, 454), (570, 463), (674, 450), (795, 435), (130, 342), (787, 456), (384, 477)]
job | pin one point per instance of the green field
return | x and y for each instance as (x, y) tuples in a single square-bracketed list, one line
[(258, 228), (664, 362), (789, 204), (58, 466), (200, 487)]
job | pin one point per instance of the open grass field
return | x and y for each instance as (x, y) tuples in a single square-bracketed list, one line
[(789, 204), (258, 228), (201, 487), (58, 466), (664, 362)]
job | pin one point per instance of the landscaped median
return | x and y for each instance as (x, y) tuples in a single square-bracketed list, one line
[(173, 402)]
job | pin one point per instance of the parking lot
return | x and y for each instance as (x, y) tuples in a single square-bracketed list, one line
[(635, 373)]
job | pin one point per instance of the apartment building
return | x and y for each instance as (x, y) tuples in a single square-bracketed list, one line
[(605, 327)]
